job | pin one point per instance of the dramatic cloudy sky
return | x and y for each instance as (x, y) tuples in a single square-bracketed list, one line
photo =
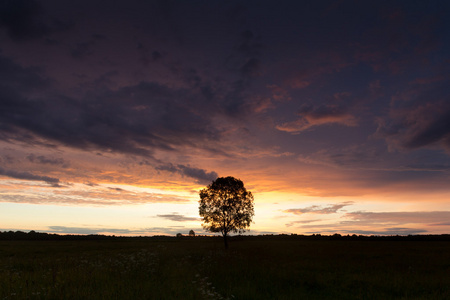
[(335, 114)]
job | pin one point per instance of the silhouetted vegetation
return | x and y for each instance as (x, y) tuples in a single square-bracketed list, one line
[(226, 206), (256, 267), (42, 236), (32, 235)]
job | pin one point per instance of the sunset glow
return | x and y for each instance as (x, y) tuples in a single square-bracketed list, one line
[(335, 115)]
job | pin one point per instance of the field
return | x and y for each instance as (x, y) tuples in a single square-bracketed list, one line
[(199, 268)]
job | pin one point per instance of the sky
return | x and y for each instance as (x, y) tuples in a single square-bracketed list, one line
[(334, 114)]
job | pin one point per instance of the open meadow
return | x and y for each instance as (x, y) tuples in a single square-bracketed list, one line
[(269, 267)]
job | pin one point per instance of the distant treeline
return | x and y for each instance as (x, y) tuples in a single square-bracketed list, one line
[(354, 237), (42, 236)]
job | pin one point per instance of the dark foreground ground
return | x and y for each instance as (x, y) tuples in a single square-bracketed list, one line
[(270, 267)]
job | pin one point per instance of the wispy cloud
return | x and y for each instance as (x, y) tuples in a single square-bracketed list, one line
[(41, 159), (318, 209), (178, 218), (380, 223), (320, 115), (387, 231), (86, 230), (122, 231), (29, 176), (335, 228), (422, 217), (302, 222), (81, 194)]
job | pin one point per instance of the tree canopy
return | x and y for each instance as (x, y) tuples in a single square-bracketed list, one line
[(226, 206)]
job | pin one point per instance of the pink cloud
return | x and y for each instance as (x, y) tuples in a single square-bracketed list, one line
[(316, 116)]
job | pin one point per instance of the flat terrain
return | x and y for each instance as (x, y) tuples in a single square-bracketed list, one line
[(199, 268)]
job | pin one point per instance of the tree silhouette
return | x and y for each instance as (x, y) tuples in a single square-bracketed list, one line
[(226, 206), (191, 233)]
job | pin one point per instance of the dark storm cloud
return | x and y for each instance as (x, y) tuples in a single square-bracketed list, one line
[(251, 45), (251, 67), (250, 49), (402, 35), (177, 217), (183, 75), (156, 55), (29, 176), (41, 159), (246, 58), (134, 119), (16, 110), (15, 78), (25, 19), (146, 57), (21, 18), (435, 130), (317, 209), (82, 50), (419, 117), (201, 176)]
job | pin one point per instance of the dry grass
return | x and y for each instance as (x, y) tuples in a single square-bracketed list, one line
[(199, 268)]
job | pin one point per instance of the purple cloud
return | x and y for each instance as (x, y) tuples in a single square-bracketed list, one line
[(321, 115), (29, 176)]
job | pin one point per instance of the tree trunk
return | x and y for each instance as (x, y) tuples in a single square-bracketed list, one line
[(225, 240)]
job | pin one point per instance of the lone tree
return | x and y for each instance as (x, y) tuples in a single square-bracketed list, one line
[(191, 233), (226, 206)]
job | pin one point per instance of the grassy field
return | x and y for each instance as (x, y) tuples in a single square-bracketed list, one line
[(199, 268)]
